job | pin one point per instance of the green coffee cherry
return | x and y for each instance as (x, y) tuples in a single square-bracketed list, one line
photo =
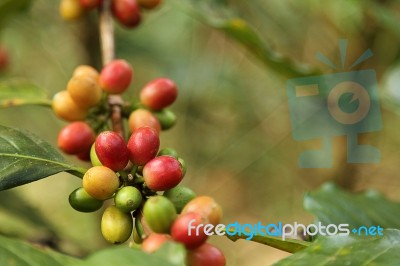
[(168, 151), (179, 196), (138, 231), (81, 201), (159, 213), (128, 199), (166, 118), (116, 226), (183, 164), (93, 157)]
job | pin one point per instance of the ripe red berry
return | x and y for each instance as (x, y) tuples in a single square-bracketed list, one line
[(90, 4), (159, 93), (111, 150), (127, 12), (76, 138), (162, 173), (143, 145), (183, 230), (116, 76), (3, 58), (206, 255), (154, 241)]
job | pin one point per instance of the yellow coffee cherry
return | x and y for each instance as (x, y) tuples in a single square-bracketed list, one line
[(71, 9), (65, 108), (85, 70), (100, 182), (84, 90)]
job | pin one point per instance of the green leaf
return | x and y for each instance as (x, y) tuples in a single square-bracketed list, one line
[(19, 92), (125, 256), (14, 252), (288, 245), (215, 14), (332, 205), (25, 158), (349, 250)]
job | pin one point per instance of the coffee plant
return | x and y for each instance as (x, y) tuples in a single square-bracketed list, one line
[(134, 183)]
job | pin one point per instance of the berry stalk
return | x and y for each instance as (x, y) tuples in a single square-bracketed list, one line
[(108, 53)]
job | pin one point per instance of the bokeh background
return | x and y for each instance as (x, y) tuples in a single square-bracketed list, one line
[(233, 125)]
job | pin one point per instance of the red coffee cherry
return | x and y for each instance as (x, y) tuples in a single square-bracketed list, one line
[(127, 12), (154, 241), (111, 150), (159, 93), (76, 138), (206, 255), (4, 60), (143, 118), (116, 76), (149, 4), (143, 145), (162, 173), (206, 207), (183, 230), (90, 4)]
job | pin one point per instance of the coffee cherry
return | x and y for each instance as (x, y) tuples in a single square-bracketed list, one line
[(206, 207), (149, 4), (71, 9), (183, 165), (162, 173), (116, 226), (143, 145), (141, 230), (179, 196), (127, 12), (81, 201), (128, 199), (159, 93), (100, 182), (86, 71), (206, 255), (111, 150), (4, 60), (169, 152), (142, 118), (91, 4), (65, 108), (183, 230), (84, 156), (76, 138), (84, 90), (166, 118), (94, 159), (154, 241), (159, 214), (116, 76)]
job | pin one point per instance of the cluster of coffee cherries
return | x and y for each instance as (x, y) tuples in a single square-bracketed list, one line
[(138, 180), (126, 12)]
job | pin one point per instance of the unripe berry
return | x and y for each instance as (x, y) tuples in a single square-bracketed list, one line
[(71, 9), (143, 145), (179, 196), (86, 71), (100, 182), (84, 90), (76, 138), (128, 199), (4, 60), (159, 93), (206, 255), (206, 207), (90, 4), (183, 165), (116, 226), (116, 76), (149, 4), (94, 159), (154, 241), (183, 230), (159, 214), (142, 118), (111, 150), (162, 173), (166, 118), (64, 107), (169, 152), (127, 12), (81, 201)]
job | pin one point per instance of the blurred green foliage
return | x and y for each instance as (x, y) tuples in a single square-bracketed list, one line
[(233, 122)]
